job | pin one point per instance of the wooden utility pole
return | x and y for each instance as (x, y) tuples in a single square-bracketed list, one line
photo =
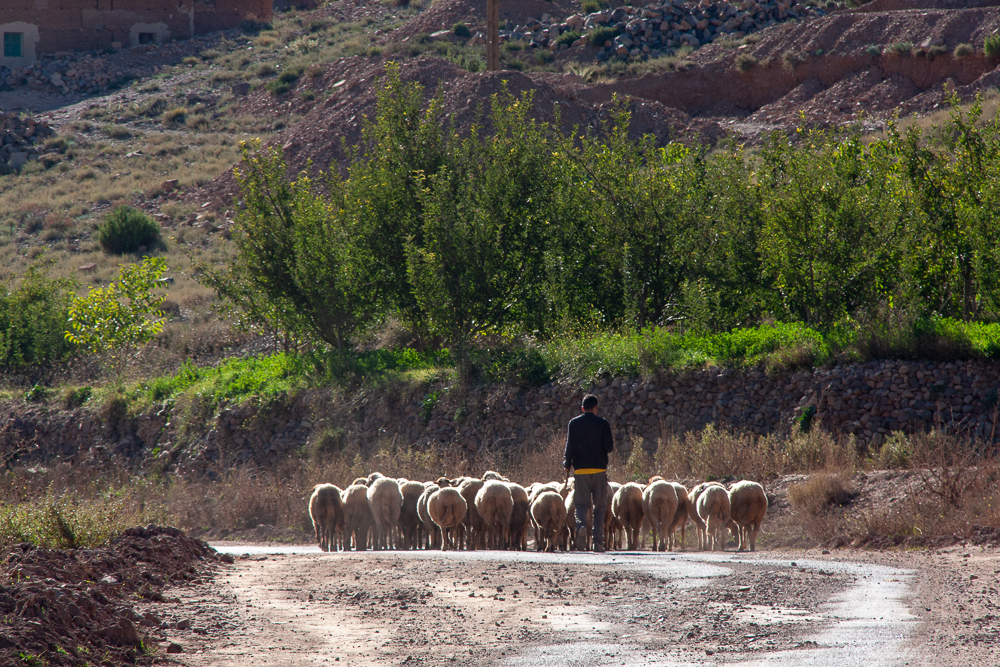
[(493, 35)]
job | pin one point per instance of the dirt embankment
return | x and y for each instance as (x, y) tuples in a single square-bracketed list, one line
[(80, 606)]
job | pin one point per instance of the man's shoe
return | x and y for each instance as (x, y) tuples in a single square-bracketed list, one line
[(581, 539), (599, 549)]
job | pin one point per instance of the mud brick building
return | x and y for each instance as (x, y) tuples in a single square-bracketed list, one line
[(32, 27)]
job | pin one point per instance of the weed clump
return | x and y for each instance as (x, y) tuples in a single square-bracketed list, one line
[(991, 46), (127, 230), (964, 51), (745, 62), (601, 36), (461, 30)]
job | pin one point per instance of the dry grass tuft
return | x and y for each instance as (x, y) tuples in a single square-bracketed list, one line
[(821, 492)]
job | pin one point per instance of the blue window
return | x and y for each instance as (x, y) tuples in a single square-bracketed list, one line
[(12, 45)]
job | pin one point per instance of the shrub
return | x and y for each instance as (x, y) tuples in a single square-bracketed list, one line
[(191, 61), (197, 122), (568, 38), (308, 96), (266, 69), (792, 59), (74, 397), (461, 30), (174, 116), (37, 394), (991, 46), (32, 319), (964, 51), (873, 50), (820, 492), (745, 62), (285, 81), (902, 48), (601, 36), (590, 6), (126, 230)]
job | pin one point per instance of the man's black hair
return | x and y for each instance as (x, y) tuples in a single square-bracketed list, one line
[(589, 402)]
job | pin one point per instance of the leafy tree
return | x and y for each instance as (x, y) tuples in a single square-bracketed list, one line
[(481, 260), (833, 219), (32, 317), (297, 266), (115, 321)]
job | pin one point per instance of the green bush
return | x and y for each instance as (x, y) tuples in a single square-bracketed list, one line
[(991, 46), (75, 397), (32, 320), (37, 394), (568, 37), (285, 81), (590, 6), (461, 30), (600, 36), (964, 51), (127, 230)]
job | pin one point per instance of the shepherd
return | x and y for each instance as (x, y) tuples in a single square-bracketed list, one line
[(588, 443)]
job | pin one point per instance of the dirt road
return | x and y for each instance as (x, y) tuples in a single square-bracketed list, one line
[(512, 609)]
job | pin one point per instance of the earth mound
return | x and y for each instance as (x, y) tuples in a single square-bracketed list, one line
[(66, 606)]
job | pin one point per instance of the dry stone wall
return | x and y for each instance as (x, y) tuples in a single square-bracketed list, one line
[(868, 401)]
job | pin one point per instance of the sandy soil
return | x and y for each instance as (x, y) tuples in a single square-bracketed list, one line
[(495, 608)]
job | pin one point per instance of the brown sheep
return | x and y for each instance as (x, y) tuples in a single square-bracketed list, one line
[(747, 507), (326, 509), (447, 509), (659, 505), (494, 503), (443, 482), (489, 474), (473, 532), (431, 531), (627, 506), (517, 536), (693, 512), (548, 513), (363, 481), (386, 503), (713, 508), (680, 517), (410, 526), (357, 517)]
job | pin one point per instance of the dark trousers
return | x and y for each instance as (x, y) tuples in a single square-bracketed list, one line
[(591, 491)]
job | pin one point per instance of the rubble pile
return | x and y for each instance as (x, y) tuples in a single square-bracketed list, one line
[(640, 33), (66, 606), (21, 138), (94, 72)]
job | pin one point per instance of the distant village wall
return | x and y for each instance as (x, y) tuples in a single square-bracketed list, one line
[(29, 28)]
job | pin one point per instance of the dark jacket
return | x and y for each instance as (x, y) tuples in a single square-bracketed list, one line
[(588, 442)]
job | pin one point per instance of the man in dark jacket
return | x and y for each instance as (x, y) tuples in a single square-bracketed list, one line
[(588, 443)]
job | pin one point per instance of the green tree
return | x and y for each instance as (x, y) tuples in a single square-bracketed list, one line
[(480, 265), (834, 217), (297, 267), (113, 322), (32, 318)]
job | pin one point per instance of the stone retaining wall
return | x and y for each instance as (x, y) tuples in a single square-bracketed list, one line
[(867, 400)]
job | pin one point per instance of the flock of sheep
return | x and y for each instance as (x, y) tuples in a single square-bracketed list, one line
[(494, 513)]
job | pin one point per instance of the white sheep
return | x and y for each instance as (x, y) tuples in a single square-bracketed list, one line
[(747, 507), (713, 509), (659, 504), (693, 511), (568, 538), (473, 532), (410, 526), (431, 531), (326, 509), (357, 517), (447, 508), (386, 502), (517, 535), (548, 514), (680, 516), (627, 507), (494, 504), (613, 528)]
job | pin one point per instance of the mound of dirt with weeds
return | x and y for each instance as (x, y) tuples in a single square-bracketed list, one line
[(76, 606)]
